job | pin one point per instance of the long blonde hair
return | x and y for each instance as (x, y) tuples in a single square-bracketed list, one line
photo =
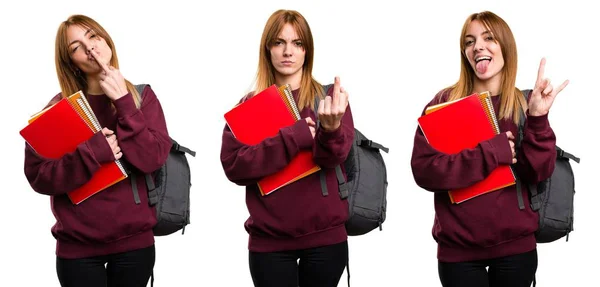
[(70, 78), (511, 98), (265, 75)]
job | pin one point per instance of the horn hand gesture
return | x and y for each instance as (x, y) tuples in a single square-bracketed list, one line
[(543, 93)]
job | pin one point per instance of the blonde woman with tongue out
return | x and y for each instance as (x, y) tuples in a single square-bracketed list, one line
[(488, 240)]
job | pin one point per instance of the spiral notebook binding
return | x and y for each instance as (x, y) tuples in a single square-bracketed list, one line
[(489, 110), (89, 114), (493, 116), (287, 90), (120, 165), (89, 108), (284, 97)]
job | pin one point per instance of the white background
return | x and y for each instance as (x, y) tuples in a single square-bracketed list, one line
[(392, 59)]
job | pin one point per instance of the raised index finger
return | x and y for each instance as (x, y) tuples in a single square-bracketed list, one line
[(104, 66), (541, 70)]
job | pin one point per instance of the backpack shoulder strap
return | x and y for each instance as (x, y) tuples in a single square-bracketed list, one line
[(532, 189), (326, 88), (140, 89), (318, 99), (526, 94)]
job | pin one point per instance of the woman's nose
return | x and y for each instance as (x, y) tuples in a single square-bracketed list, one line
[(480, 46), (89, 48)]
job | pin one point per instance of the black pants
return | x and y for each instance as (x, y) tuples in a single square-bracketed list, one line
[(315, 267), (131, 269), (514, 271)]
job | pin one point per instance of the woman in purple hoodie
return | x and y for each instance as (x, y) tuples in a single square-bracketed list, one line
[(297, 221), (106, 240), (489, 230)]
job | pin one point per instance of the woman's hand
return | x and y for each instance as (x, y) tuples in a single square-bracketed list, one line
[(332, 108), (311, 126), (111, 80), (511, 142), (111, 138), (543, 93)]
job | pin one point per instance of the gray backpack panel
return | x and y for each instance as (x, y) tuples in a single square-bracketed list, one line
[(169, 189), (367, 184), (170, 193), (553, 198)]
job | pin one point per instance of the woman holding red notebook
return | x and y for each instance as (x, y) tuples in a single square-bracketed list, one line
[(297, 221), (106, 240), (494, 229)]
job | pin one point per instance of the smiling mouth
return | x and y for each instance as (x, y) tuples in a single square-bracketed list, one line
[(482, 58)]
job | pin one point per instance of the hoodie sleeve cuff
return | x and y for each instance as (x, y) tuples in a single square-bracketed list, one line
[(125, 106), (537, 123), (302, 135), (501, 149), (100, 148), (326, 136)]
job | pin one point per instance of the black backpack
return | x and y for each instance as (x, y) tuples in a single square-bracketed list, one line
[(366, 188), (552, 198), (169, 189)]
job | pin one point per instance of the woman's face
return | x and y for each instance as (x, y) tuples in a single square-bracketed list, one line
[(483, 52), (287, 52), (83, 40)]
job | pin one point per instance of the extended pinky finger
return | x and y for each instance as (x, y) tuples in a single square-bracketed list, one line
[(561, 87)]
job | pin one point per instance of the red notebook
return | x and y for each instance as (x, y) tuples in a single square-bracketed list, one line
[(261, 117), (460, 125), (59, 130)]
